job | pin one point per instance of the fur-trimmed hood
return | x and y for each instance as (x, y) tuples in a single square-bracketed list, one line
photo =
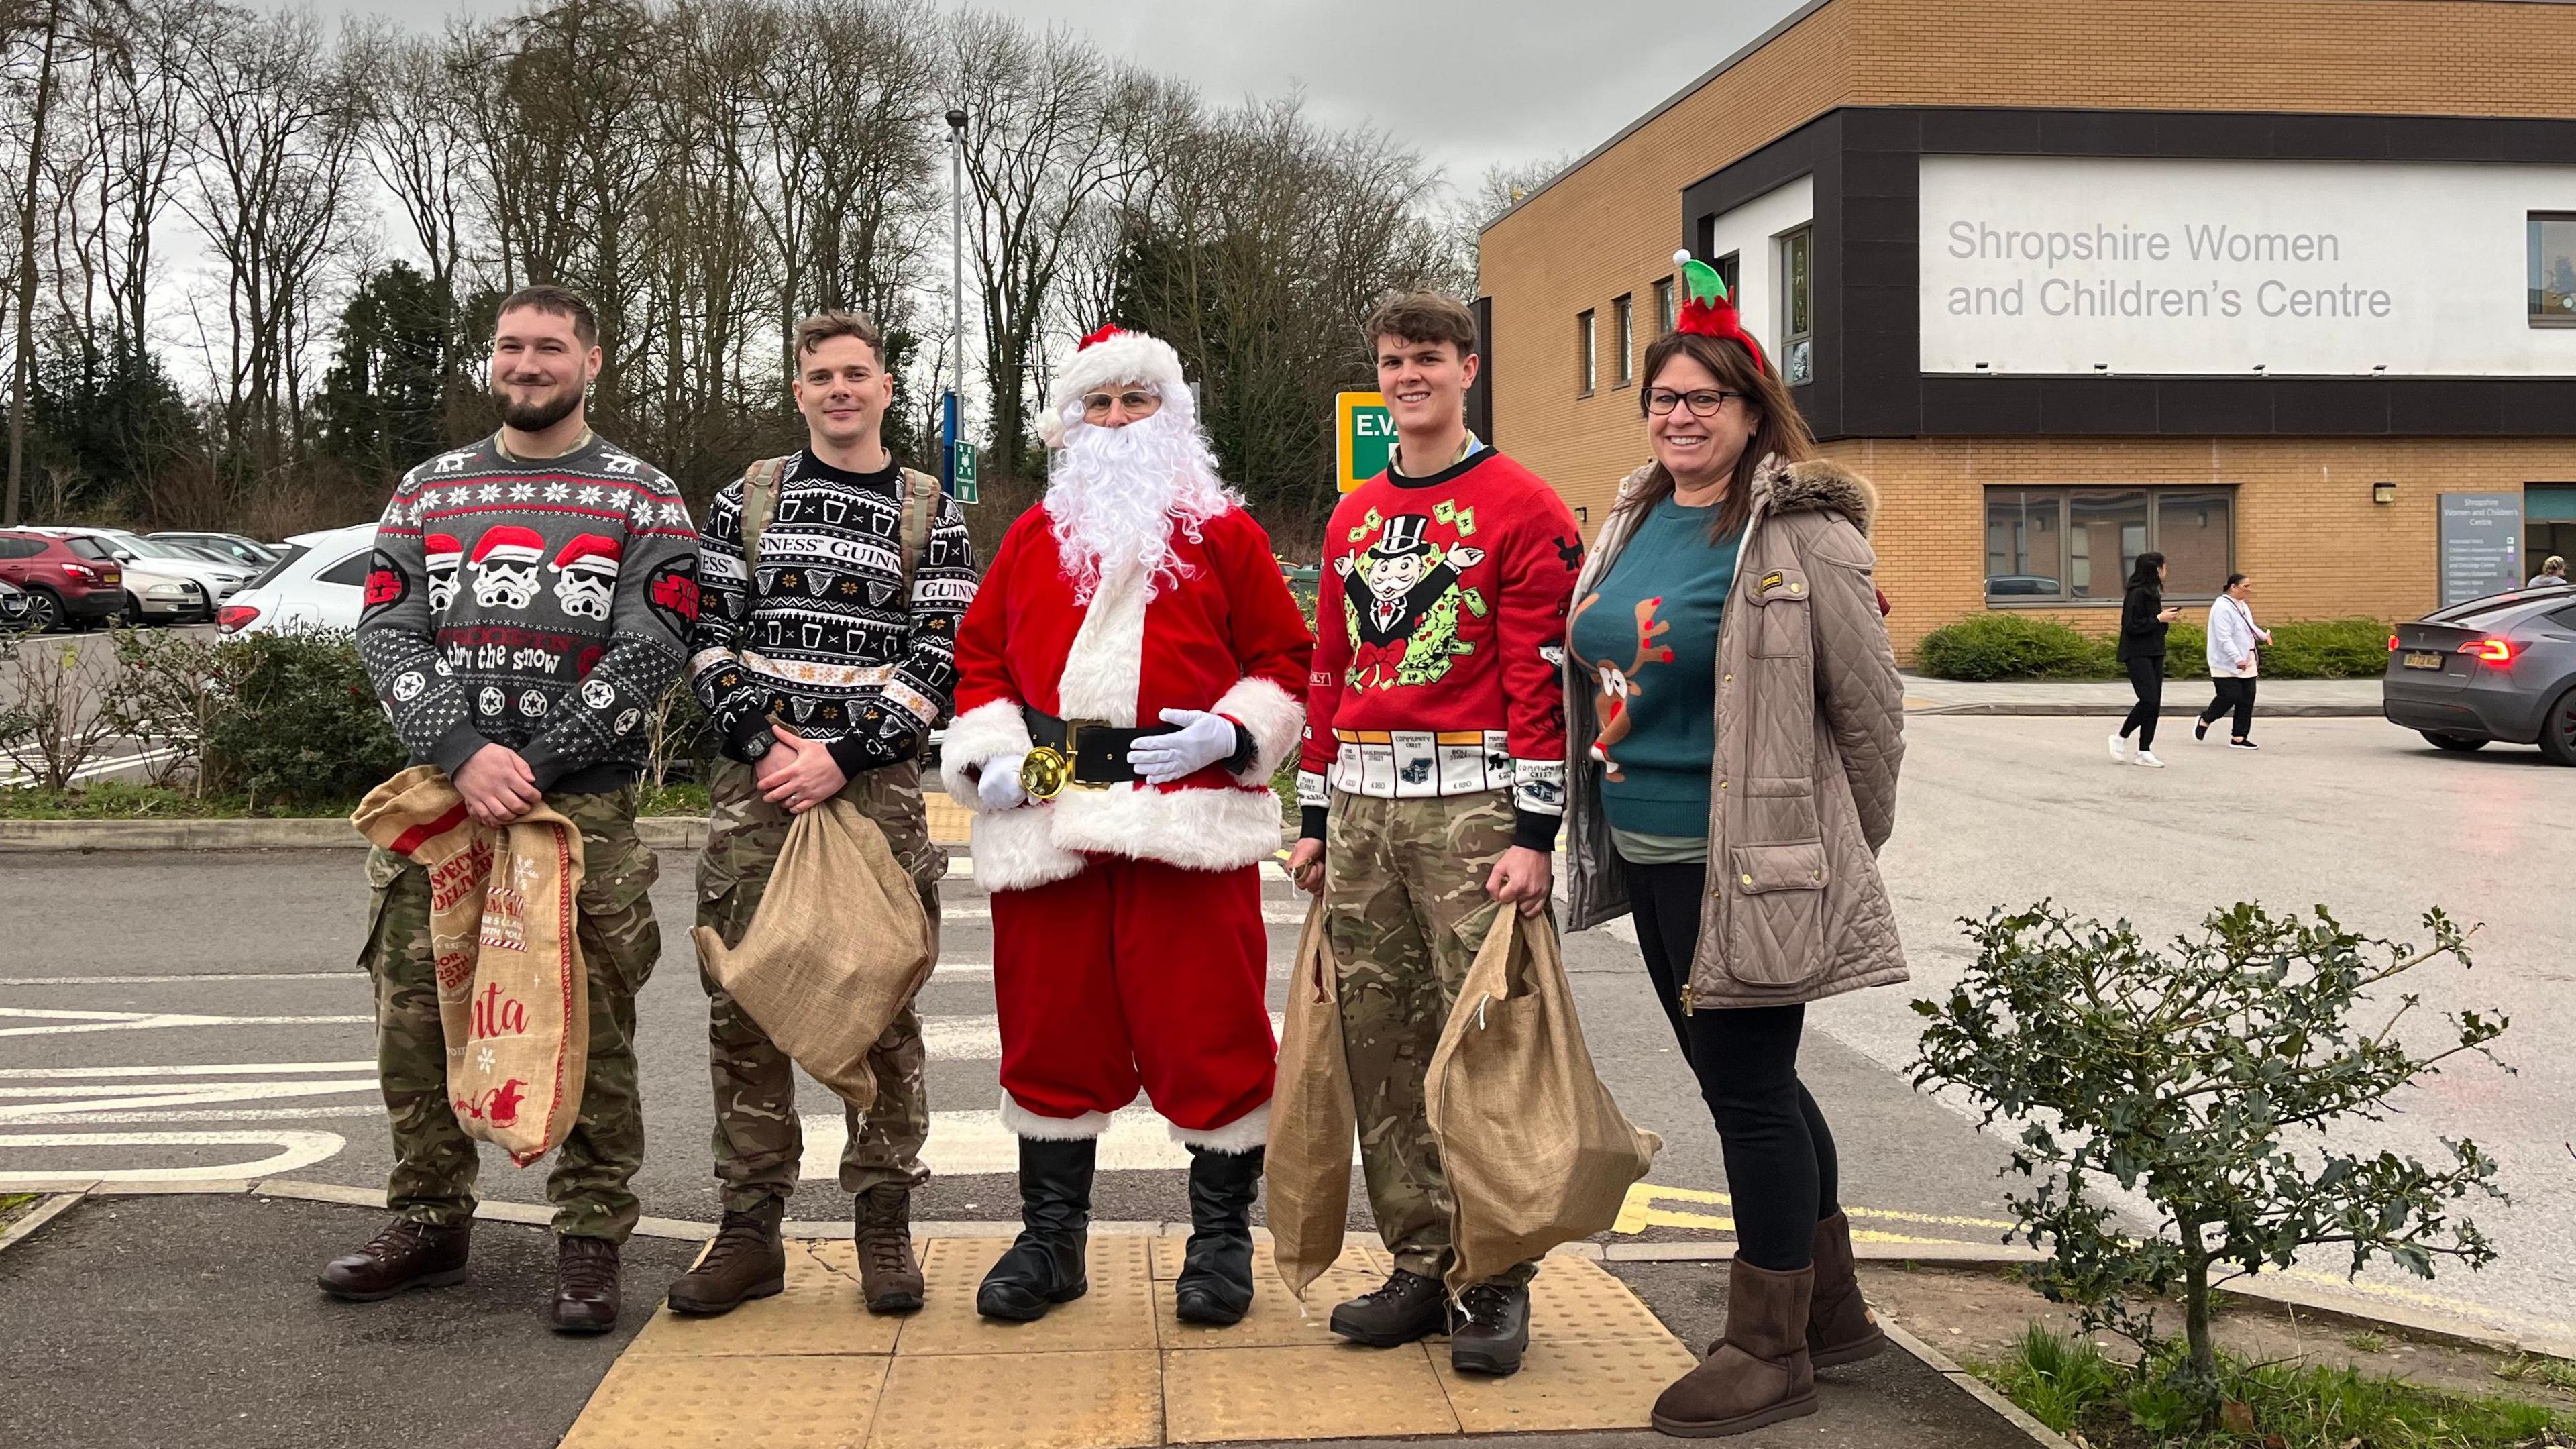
[(1818, 485)]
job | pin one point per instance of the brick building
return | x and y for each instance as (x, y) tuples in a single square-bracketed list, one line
[(2285, 286)]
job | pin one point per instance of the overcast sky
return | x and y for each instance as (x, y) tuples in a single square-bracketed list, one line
[(1470, 83)]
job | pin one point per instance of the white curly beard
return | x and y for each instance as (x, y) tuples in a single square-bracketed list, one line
[(1116, 494)]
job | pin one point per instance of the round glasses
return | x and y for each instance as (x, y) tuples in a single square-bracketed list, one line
[(1707, 403)]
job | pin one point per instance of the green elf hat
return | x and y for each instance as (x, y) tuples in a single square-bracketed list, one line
[(1707, 311)]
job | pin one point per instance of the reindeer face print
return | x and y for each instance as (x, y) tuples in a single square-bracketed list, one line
[(1619, 685)]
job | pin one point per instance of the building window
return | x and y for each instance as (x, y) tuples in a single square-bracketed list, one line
[(1797, 307), (2548, 524), (1623, 322), (2553, 269), (1663, 306), (2077, 545), (1728, 268), (1588, 349)]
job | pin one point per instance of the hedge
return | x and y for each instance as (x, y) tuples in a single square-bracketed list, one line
[(2006, 646)]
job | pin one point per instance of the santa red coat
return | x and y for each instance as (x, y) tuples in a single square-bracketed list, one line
[(1225, 636)]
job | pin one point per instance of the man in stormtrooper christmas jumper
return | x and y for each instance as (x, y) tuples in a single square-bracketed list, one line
[(1134, 626)]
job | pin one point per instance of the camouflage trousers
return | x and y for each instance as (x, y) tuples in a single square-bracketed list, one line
[(759, 1142), (435, 1163), (1406, 910)]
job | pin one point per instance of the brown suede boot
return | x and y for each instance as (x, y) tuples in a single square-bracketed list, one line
[(889, 1276), (405, 1255), (747, 1259), (1840, 1327), (1759, 1373)]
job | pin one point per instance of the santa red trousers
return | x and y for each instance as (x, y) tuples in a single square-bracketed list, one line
[(1136, 974)]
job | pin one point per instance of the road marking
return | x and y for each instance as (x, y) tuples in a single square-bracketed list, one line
[(979, 1038), (68, 1100), (962, 867), (68, 1115), (74, 1022), (183, 1069), (159, 980), (294, 1150), (1639, 1213)]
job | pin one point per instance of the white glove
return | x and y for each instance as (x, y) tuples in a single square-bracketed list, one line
[(998, 786), (1201, 741)]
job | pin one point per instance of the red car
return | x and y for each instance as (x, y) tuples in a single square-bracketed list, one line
[(66, 586)]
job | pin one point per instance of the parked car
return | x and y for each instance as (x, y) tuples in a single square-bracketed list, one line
[(250, 553), (321, 583), (65, 589), (215, 581), (14, 610), (2497, 668)]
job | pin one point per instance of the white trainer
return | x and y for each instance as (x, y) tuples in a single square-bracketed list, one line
[(2120, 747), (2148, 759)]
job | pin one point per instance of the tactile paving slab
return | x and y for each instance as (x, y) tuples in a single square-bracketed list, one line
[(1118, 1312), (1567, 1385), (1015, 1401), (798, 1402), (1342, 1392)]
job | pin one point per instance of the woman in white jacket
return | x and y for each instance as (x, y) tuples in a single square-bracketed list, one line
[(2232, 637)]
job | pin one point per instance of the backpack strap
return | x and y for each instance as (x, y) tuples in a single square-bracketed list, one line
[(759, 505), (920, 509)]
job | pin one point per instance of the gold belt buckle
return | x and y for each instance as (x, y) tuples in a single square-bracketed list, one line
[(1048, 772)]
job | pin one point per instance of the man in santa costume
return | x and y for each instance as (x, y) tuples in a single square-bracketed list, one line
[(1128, 678)]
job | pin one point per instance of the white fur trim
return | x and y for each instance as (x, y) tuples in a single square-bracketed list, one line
[(1128, 357), (1276, 719), (1243, 1134), (1036, 1128), (1016, 850), (1104, 669), (1194, 828), (984, 733)]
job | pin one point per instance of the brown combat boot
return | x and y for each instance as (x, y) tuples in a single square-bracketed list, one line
[(587, 1288), (745, 1261), (1840, 1327), (889, 1276), (1759, 1373), (405, 1255)]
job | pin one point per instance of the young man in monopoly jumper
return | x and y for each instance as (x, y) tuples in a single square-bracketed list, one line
[(1126, 686), (529, 601), (1432, 785)]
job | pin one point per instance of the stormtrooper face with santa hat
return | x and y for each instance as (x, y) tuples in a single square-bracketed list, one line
[(1130, 463)]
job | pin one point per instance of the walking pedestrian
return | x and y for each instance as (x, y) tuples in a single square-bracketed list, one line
[(1432, 787), (524, 692), (1736, 727), (833, 583), (2143, 622), (2233, 635), (2553, 574)]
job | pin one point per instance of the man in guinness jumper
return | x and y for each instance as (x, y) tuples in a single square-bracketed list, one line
[(529, 600), (825, 654), (1126, 688), (1431, 786)]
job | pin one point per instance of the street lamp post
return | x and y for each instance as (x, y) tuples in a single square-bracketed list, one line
[(951, 427)]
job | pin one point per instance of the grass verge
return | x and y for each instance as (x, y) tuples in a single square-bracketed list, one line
[(2074, 1388)]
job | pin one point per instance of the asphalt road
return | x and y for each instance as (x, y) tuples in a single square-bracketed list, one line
[(225, 1031)]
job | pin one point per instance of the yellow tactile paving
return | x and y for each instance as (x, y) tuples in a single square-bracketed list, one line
[(1011, 1401), (1344, 1392), (820, 1313), (812, 1369), (948, 819), (785, 1402)]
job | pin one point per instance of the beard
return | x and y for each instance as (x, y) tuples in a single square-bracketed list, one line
[(535, 415), (1116, 495)]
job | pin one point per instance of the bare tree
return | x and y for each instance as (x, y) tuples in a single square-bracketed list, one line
[(23, 379)]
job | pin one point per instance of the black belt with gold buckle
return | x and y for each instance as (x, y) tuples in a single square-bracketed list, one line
[(1081, 754)]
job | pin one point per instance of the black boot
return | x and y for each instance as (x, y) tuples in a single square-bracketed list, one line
[(1216, 1269), (1045, 1265)]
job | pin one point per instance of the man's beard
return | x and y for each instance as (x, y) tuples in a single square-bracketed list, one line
[(537, 414), (1116, 494)]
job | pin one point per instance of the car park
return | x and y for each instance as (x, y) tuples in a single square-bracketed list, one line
[(159, 564), (321, 583), (250, 553), (65, 588), (2497, 669)]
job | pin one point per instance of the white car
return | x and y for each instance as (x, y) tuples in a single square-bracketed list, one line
[(320, 584), (220, 581)]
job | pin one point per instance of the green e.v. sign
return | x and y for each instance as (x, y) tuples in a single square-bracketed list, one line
[(1363, 437)]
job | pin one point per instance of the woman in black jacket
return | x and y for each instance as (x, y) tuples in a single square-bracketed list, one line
[(2143, 620)]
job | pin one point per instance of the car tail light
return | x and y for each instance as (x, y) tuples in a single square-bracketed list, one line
[(2392, 643), (82, 572), (2498, 652), (233, 618)]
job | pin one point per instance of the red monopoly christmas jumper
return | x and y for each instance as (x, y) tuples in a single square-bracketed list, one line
[(1440, 623)]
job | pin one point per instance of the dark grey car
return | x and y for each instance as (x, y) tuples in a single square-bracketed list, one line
[(2497, 668)]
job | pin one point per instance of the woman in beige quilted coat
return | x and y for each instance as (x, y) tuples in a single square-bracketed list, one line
[(1738, 814)]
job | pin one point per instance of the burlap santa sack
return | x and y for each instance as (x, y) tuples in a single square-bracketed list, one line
[(1536, 1151), (1307, 1170), (513, 997), (839, 945)]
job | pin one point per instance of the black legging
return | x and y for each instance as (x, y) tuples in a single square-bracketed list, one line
[(2147, 682), (2233, 694), (1780, 1164)]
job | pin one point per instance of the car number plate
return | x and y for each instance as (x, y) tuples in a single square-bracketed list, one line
[(2423, 660)]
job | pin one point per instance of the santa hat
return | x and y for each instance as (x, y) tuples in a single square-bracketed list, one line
[(590, 551), (510, 544), (1709, 312), (1112, 357), (441, 551)]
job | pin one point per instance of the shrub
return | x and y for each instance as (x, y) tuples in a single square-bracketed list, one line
[(2008, 646), (2328, 649), (2208, 1085), (300, 721)]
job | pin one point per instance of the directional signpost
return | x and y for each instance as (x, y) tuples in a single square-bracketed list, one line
[(1363, 438), (962, 479)]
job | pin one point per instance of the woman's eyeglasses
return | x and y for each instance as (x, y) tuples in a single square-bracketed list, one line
[(1097, 404), (1705, 404)]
